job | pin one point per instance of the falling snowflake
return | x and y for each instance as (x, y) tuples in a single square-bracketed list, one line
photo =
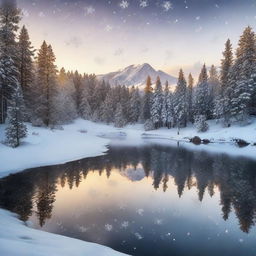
[(226, 231), (41, 14), (143, 3), (108, 227), (125, 224), (25, 13), (198, 18), (138, 236), (124, 4), (158, 222), (108, 28), (241, 240), (188, 234), (167, 5), (89, 10), (140, 212)]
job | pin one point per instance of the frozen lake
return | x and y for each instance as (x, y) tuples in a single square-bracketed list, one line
[(150, 200)]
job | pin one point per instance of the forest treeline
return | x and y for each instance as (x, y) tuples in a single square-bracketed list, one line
[(32, 89)]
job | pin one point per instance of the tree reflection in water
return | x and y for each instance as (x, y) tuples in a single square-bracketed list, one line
[(235, 178)]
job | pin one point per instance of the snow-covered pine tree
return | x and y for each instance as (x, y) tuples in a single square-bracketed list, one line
[(90, 83), (78, 83), (202, 95), (9, 20), (222, 106), (134, 105), (190, 97), (149, 125), (200, 123), (156, 106), (65, 108), (16, 129), (119, 119), (124, 99), (85, 108), (242, 74), (46, 88), (25, 66), (214, 88), (146, 101), (164, 112), (100, 93), (180, 101), (170, 110), (108, 108)]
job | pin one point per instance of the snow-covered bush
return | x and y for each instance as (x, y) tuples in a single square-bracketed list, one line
[(149, 125), (201, 124)]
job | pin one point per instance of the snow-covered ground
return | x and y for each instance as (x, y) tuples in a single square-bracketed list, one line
[(16, 239), (87, 139)]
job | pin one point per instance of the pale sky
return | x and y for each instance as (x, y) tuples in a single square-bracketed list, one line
[(100, 36)]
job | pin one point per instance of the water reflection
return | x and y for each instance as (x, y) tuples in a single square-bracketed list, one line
[(34, 194)]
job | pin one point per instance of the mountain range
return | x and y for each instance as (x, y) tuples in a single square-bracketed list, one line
[(136, 75)]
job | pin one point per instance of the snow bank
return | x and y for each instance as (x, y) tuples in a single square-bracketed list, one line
[(16, 239), (87, 139), (47, 147)]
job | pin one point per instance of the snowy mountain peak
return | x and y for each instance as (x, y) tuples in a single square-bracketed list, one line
[(136, 75)]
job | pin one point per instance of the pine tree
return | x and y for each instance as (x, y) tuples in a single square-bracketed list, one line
[(180, 101), (25, 62), (156, 106), (85, 108), (222, 108), (164, 112), (119, 119), (200, 123), (190, 97), (78, 83), (46, 89), (170, 110), (242, 74), (16, 129), (134, 106), (214, 88), (108, 108), (9, 20), (147, 99), (65, 108), (202, 95)]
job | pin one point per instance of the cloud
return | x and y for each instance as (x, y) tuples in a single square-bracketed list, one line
[(74, 42)]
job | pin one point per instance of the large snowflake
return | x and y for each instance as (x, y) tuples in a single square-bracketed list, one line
[(143, 3), (124, 4), (167, 5)]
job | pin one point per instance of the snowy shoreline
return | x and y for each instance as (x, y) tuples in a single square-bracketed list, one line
[(84, 139), (18, 239)]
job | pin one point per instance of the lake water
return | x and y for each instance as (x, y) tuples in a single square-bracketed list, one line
[(150, 200)]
